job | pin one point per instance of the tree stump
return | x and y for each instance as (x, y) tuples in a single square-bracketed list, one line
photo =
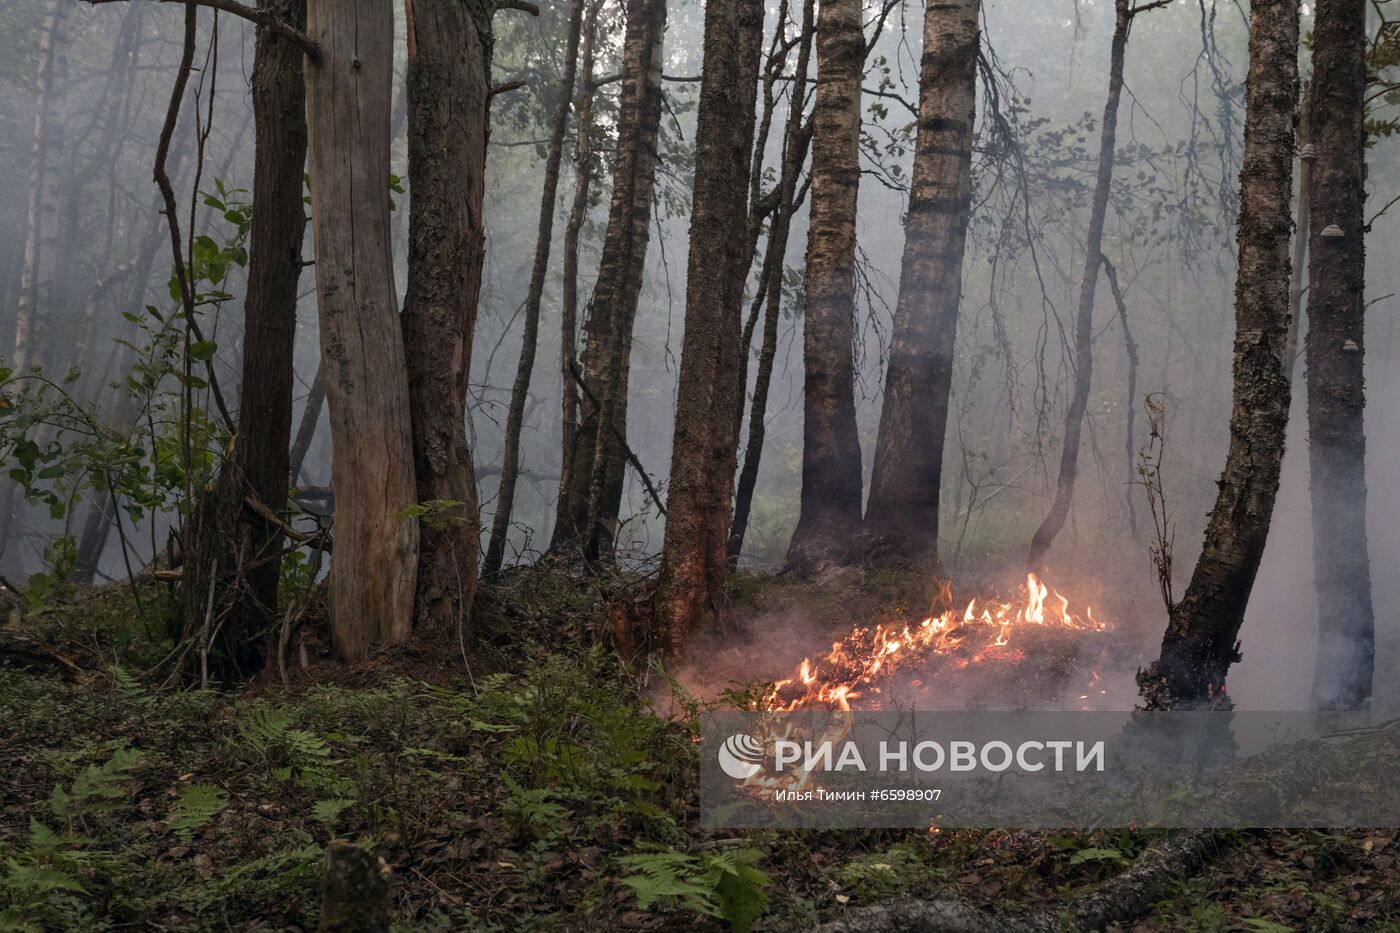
[(354, 891)]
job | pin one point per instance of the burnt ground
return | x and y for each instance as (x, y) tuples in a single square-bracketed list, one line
[(531, 785)]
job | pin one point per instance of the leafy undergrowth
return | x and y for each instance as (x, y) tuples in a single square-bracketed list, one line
[(529, 786)]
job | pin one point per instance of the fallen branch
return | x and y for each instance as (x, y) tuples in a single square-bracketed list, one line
[(256, 16), (20, 649)]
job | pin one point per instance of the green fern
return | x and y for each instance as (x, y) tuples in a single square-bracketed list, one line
[(96, 789), (727, 885), (198, 804)]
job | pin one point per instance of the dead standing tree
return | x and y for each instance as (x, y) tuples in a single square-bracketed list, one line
[(901, 521), (1083, 362), (1200, 642), (831, 466), (374, 572), (694, 560), (1334, 349)]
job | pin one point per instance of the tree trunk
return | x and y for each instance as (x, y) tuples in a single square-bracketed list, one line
[(797, 136), (515, 416), (227, 534), (568, 314), (1199, 645), (831, 468), (1335, 342), (306, 428), (589, 509), (449, 77), (31, 265), (694, 559), (901, 521), (362, 351), (1088, 285), (1307, 155)]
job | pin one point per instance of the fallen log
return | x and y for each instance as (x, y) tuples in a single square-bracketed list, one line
[(21, 649)]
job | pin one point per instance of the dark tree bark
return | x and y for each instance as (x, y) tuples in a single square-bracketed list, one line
[(694, 559), (588, 510), (831, 470), (568, 310), (515, 416), (901, 521), (797, 136), (227, 533), (374, 572), (1088, 286), (449, 90), (1335, 342), (1200, 641)]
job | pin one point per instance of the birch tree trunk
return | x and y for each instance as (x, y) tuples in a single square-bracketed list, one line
[(515, 416), (694, 559), (32, 262), (901, 521), (1088, 286), (1335, 344), (362, 352), (831, 469), (588, 511), (229, 535), (1200, 641), (449, 90)]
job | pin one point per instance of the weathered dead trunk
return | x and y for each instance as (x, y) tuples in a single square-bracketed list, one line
[(1199, 645), (797, 136), (1088, 286), (573, 228), (449, 68), (694, 559), (227, 533), (31, 265), (362, 352), (901, 520), (1335, 351), (515, 416), (831, 469), (588, 509)]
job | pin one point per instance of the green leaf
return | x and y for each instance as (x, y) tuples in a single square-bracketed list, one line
[(1096, 855), (203, 350)]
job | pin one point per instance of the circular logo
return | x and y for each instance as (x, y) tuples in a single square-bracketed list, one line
[(741, 756)]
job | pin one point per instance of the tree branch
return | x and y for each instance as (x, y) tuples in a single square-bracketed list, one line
[(253, 15)]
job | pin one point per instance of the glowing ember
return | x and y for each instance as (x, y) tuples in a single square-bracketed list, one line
[(982, 632)]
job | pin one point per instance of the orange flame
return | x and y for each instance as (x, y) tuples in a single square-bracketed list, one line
[(855, 662)]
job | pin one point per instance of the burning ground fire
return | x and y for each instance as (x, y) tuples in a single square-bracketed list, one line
[(986, 630)]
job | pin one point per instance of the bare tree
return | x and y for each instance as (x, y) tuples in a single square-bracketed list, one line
[(515, 416), (1334, 347), (1124, 13), (797, 137), (374, 572), (694, 560), (831, 471), (1200, 642), (901, 520)]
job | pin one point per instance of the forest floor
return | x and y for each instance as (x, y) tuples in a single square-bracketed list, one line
[(533, 784)]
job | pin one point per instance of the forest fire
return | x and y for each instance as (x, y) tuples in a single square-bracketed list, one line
[(986, 630)]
